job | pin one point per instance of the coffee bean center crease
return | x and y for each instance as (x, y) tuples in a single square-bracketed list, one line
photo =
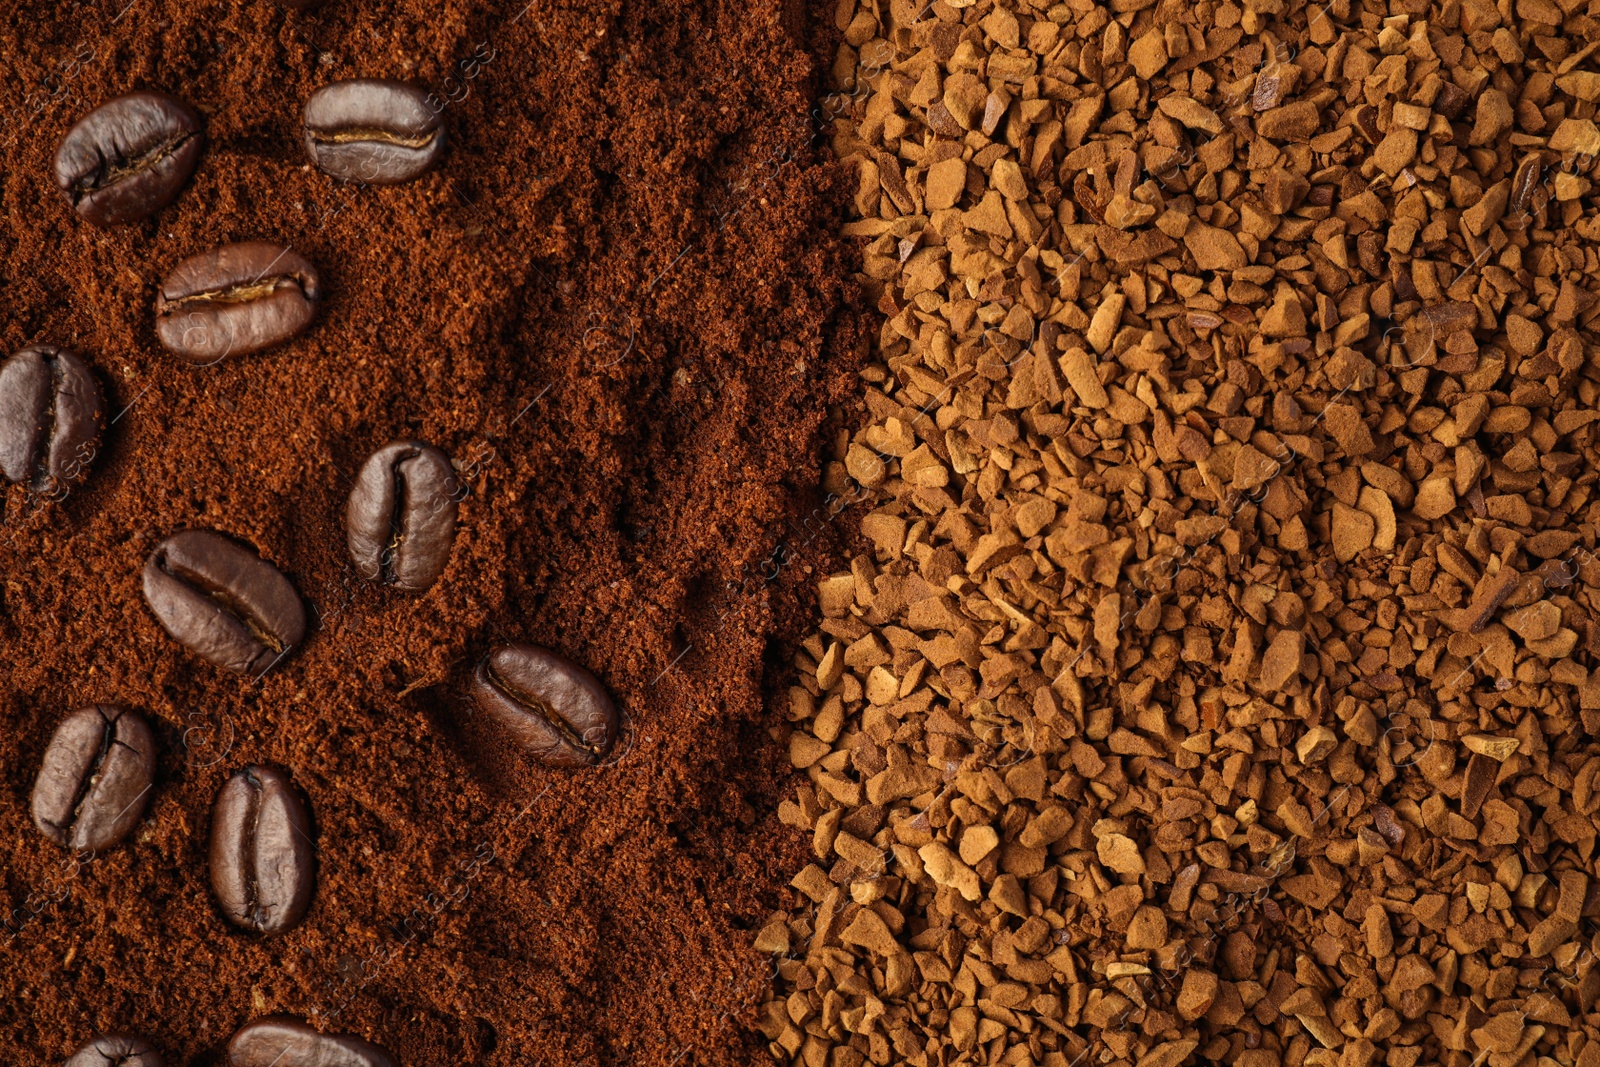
[(237, 294), (533, 704), (224, 600), (355, 134), (86, 784), (253, 908), (119, 168)]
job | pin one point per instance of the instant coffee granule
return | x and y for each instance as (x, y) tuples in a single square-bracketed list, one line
[(1214, 677), (618, 301)]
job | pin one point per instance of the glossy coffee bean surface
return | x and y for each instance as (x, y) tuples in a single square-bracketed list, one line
[(115, 1050), (129, 157), (234, 300), (51, 416), (401, 519), (263, 862), (552, 708), (372, 131), (95, 779), (278, 1041), (222, 601)]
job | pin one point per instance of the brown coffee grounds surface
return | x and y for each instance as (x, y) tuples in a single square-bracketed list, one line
[(615, 303)]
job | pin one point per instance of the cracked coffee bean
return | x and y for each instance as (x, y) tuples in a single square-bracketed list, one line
[(115, 1050), (235, 300), (51, 414), (372, 131), (262, 859), (402, 515), (277, 1041), (95, 779), (222, 601), (550, 706), (129, 158)]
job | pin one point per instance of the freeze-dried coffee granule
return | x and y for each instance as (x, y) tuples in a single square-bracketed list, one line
[(611, 303), (1215, 678)]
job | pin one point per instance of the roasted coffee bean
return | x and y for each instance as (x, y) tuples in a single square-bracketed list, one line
[(51, 414), (115, 1050), (95, 779), (128, 158), (402, 515), (223, 601), (277, 1041), (262, 859), (372, 131), (235, 300), (549, 705)]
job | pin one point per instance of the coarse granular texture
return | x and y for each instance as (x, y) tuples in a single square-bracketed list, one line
[(616, 303), (1217, 678)]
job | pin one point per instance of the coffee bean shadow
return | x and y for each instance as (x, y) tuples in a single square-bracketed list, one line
[(206, 1057), (488, 1037), (626, 741), (486, 755), (172, 748)]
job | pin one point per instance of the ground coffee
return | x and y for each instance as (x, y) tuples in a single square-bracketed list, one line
[(611, 302)]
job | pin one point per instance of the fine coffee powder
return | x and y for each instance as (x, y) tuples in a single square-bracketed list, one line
[(616, 301)]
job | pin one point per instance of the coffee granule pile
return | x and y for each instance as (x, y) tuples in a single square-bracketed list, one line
[(1215, 678), (613, 301)]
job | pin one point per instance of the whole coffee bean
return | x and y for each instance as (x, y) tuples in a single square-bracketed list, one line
[(277, 1041), (128, 158), (235, 300), (51, 414), (262, 859), (95, 779), (223, 601), (402, 515), (550, 706), (372, 131), (115, 1050)]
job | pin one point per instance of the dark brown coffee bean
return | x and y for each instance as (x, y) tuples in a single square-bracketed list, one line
[(115, 1050), (550, 706), (95, 779), (235, 300), (402, 515), (277, 1041), (223, 601), (263, 864), (128, 158), (372, 131), (51, 414)]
